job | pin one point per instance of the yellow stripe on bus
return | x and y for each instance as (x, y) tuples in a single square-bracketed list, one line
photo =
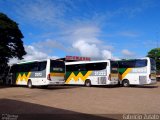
[(125, 73), (56, 74)]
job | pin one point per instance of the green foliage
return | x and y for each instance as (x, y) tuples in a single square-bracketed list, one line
[(11, 44), (155, 54)]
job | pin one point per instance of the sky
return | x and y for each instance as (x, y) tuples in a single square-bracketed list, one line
[(100, 29)]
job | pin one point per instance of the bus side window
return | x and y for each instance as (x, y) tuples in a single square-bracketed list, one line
[(96, 66), (23, 68), (76, 68), (82, 67), (42, 66), (68, 68), (34, 67)]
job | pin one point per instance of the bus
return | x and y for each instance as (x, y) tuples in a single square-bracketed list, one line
[(37, 73), (137, 71), (104, 72)]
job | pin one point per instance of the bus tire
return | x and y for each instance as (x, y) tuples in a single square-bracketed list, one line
[(125, 83), (29, 84), (88, 83)]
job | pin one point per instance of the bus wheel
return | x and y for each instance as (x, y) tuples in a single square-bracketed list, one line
[(29, 84), (88, 83), (125, 83)]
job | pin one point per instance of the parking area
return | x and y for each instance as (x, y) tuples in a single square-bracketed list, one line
[(80, 102)]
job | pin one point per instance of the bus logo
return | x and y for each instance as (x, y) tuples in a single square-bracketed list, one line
[(23, 77), (83, 77)]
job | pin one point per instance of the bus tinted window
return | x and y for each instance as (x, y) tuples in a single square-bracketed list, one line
[(114, 67), (33, 66), (87, 66), (42, 66), (57, 66), (140, 63), (132, 63), (96, 66), (72, 68), (36, 66)]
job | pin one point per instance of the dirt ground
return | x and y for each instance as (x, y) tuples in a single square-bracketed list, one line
[(78, 102)]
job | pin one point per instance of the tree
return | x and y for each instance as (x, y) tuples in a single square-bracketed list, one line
[(11, 44), (155, 54)]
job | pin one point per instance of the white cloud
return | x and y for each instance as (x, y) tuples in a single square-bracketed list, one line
[(48, 44), (32, 54), (78, 40), (86, 31), (13, 61), (92, 50), (128, 34), (127, 53), (81, 34), (85, 39), (106, 54), (86, 49), (44, 12)]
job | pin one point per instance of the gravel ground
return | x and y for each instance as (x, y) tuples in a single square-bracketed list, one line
[(70, 102)]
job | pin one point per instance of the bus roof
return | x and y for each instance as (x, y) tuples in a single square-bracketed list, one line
[(84, 62), (32, 61), (134, 59)]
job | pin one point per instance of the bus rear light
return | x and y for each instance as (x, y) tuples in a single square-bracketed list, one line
[(109, 77), (49, 77)]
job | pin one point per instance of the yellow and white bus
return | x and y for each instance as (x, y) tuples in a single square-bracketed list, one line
[(137, 71), (37, 73), (104, 72)]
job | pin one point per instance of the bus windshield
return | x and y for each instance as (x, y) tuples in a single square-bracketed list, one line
[(57, 66), (153, 64)]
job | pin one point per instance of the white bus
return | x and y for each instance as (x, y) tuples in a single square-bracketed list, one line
[(37, 73), (137, 71), (92, 73)]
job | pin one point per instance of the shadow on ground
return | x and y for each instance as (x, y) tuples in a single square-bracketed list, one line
[(131, 86), (4, 86), (30, 111), (38, 87), (107, 86), (58, 87), (145, 86)]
